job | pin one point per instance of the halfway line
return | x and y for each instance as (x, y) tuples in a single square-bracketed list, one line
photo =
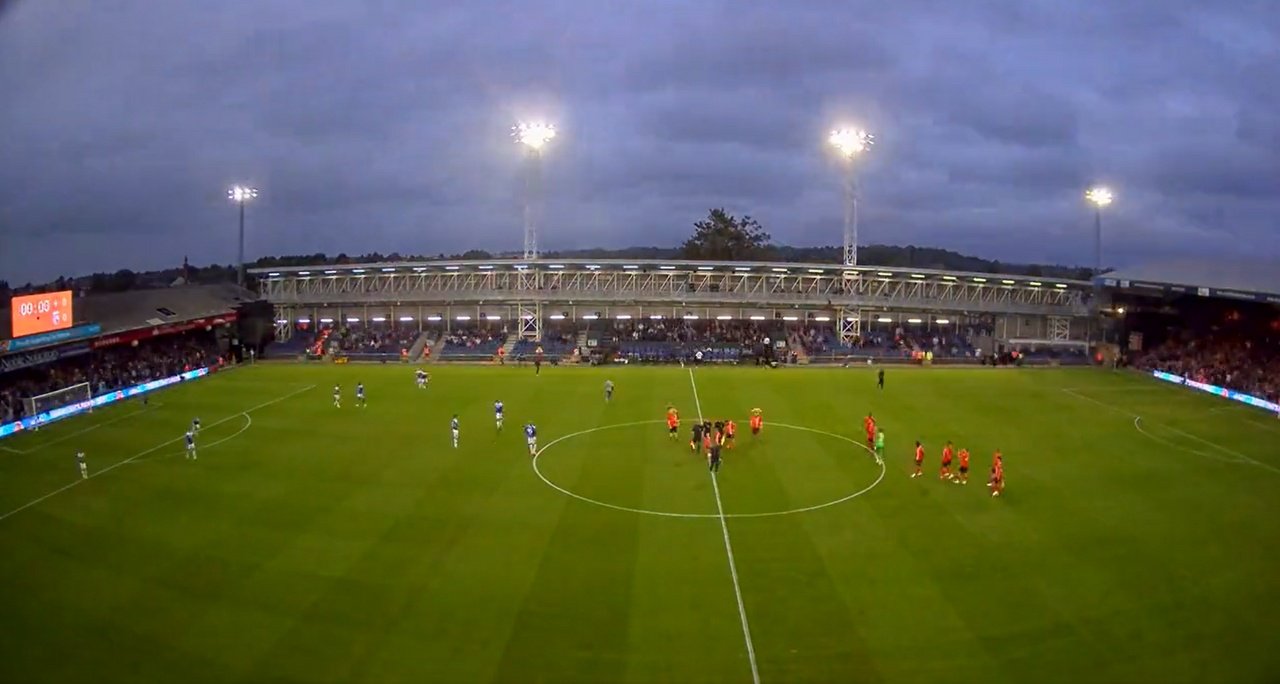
[(728, 548)]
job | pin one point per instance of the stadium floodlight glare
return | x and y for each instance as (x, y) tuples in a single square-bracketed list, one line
[(534, 138), (1099, 197), (241, 195), (850, 143)]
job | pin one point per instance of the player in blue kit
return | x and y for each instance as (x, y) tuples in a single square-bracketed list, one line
[(497, 414), (195, 425), (360, 395), (84, 469), (422, 379), (191, 445), (531, 437), (453, 427), (337, 396)]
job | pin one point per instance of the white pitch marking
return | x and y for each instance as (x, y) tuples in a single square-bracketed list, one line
[(140, 454), (728, 548), (668, 514), (1137, 424), (1126, 412), (248, 423), (44, 445)]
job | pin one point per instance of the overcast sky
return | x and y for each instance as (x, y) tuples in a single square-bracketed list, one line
[(385, 125)]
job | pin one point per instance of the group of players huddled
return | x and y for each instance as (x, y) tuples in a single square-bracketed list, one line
[(711, 436), (875, 444)]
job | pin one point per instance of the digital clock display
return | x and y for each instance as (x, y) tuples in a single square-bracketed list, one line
[(38, 313)]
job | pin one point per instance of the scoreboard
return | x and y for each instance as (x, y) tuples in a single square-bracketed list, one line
[(38, 313)]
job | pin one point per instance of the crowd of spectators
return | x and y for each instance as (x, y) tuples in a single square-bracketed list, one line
[(473, 338), (374, 339), (1251, 366), (898, 342), (106, 370), (744, 334)]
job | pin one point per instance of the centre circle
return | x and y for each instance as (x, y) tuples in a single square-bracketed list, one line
[(669, 514)]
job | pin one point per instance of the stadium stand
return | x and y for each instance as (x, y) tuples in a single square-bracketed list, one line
[(145, 334), (302, 338), (471, 344), (1212, 322), (110, 368), (896, 344), (123, 311)]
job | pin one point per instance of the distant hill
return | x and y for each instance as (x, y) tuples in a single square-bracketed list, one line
[(890, 256)]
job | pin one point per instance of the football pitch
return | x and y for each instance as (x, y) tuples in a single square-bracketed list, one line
[(1138, 539)]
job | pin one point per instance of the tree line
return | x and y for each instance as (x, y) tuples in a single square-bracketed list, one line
[(720, 236)]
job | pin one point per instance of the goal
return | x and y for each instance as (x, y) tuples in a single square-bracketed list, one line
[(57, 399)]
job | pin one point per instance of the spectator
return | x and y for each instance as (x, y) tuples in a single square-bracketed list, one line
[(108, 369)]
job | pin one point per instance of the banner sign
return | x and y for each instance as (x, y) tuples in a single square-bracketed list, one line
[(100, 400), (1168, 288), (167, 329), (1219, 391), (79, 332), (15, 362)]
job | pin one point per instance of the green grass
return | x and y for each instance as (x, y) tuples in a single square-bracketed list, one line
[(316, 544)]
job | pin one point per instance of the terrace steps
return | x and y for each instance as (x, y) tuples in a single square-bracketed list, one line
[(797, 346)]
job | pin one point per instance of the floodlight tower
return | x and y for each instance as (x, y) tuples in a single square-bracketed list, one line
[(534, 137), (850, 143), (241, 196), (1099, 197)]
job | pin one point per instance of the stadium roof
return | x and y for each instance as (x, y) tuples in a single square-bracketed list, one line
[(1257, 281), (625, 265), (120, 311)]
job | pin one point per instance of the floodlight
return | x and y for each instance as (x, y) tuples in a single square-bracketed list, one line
[(535, 136), (239, 193), (850, 141), (1100, 196)]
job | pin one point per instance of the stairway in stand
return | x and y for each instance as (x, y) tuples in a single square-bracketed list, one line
[(796, 345), (508, 347)]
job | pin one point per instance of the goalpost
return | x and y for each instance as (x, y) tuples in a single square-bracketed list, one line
[(57, 399)]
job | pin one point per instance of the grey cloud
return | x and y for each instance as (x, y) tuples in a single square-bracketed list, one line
[(385, 125)]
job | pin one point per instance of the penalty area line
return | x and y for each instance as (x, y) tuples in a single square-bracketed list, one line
[(153, 449), (728, 548), (58, 440), (1137, 419)]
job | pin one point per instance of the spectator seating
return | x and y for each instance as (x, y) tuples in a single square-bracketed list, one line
[(471, 345), (109, 369), (296, 345)]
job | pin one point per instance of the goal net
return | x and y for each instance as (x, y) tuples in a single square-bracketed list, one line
[(57, 399)]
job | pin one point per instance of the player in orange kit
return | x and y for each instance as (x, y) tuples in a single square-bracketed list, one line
[(964, 467), (997, 474), (948, 452), (757, 421), (919, 460), (869, 424), (673, 422), (730, 429)]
